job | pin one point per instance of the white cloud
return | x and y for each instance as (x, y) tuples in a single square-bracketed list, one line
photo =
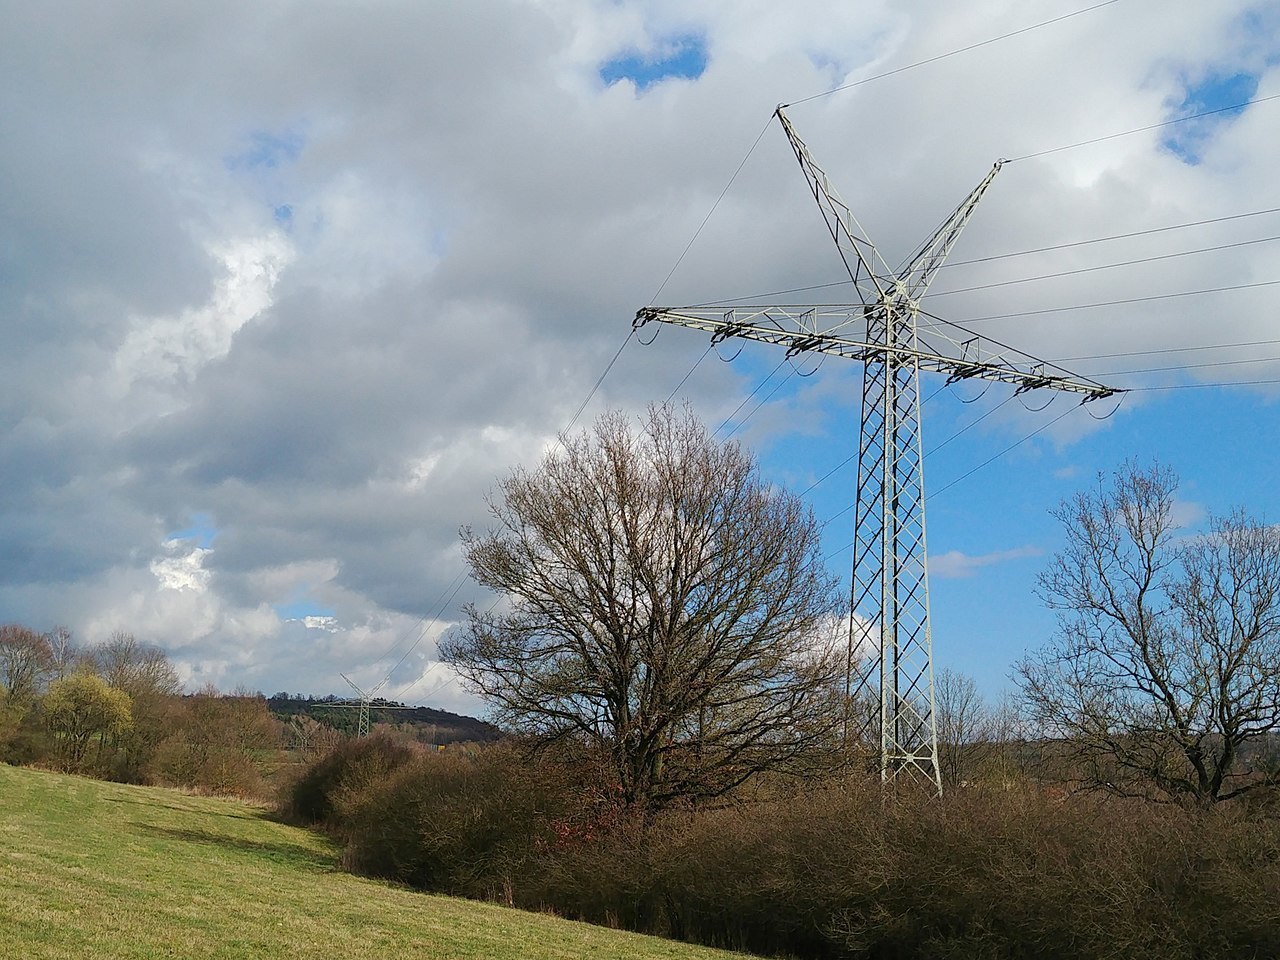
[(473, 220), (954, 564), (163, 348), (182, 571)]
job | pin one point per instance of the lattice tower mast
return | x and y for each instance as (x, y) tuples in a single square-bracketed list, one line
[(890, 646), (365, 698)]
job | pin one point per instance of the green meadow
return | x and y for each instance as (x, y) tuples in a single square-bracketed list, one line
[(91, 869)]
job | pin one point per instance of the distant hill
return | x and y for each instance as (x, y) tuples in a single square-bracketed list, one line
[(428, 724)]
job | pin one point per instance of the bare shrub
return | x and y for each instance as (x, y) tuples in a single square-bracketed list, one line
[(466, 822), (330, 787)]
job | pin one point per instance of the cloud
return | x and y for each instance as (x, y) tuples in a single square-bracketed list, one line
[(321, 275), (955, 565)]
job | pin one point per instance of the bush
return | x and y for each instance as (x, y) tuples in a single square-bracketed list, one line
[(837, 871), (330, 788), (466, 822), (214, 742)]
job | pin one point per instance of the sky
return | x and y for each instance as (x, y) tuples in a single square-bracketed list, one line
[(286, 288)]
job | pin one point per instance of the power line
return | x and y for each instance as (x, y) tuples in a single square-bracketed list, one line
[(1106, 266), (596, 386), (747, 399), (1200, 386), (1147, 353), (662, 286), (1150, 126), (697, 363), (1117, 236), (853, 456), (944, 56), (1005, 256), (992, 459), (698, 232), (754, 410), (457, 585), (1117, 303), (1191, 366)]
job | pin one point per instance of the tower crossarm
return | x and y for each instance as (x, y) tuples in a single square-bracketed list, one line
[(924, 264), (870, 274), (834, 330)]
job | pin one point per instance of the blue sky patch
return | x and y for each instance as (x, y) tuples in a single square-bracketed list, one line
[(1188, 140), (201, 530), (684, 57), (267, 151), (297, 609)]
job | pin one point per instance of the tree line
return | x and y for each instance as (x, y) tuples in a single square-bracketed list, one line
[(117, 710), (662, 605)]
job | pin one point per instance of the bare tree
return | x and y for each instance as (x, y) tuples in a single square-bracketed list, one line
[(139, 669), (1164, 679), (25, 661), (665, 605), (970, 732), (64, 652), (145, 673)]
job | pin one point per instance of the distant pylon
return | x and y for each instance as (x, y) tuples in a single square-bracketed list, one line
[(362, 726), (889, 593)]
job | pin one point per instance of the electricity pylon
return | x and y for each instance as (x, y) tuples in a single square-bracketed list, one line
[(362, 727), (889, 594)]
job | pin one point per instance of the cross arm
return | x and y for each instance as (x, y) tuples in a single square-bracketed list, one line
[(835, 329), (870, 274), (924, 264)]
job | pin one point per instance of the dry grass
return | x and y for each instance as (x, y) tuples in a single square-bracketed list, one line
[(93, 869)]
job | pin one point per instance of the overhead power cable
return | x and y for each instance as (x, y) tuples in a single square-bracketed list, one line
[(697, 363), (1203, 385), (963, 476), (696, 233), (1150, 126), (1190, 366), (759, 297), (944, 56), (747, 399), (756, 409), (928, 453), (1043, 427), (595, 386), (1116, 236), (1105, 266), (1148, 353), (456, 586), (1112, 303)]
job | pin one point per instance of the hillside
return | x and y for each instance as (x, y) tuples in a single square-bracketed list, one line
[(428, 724), (102, 870)]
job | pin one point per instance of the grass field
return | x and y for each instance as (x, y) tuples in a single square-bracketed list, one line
[(91, 869)]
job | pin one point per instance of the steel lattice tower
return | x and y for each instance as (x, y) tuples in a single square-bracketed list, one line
[(365, 698), (889, 635)]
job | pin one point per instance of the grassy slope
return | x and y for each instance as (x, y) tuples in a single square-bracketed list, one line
[(91, 869)]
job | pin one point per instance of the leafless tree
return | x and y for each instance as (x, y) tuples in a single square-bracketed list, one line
[(1164, 679), (664, 605), (140, 670), (970, 732), (64, 652), (145, 673), (25, 661)]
